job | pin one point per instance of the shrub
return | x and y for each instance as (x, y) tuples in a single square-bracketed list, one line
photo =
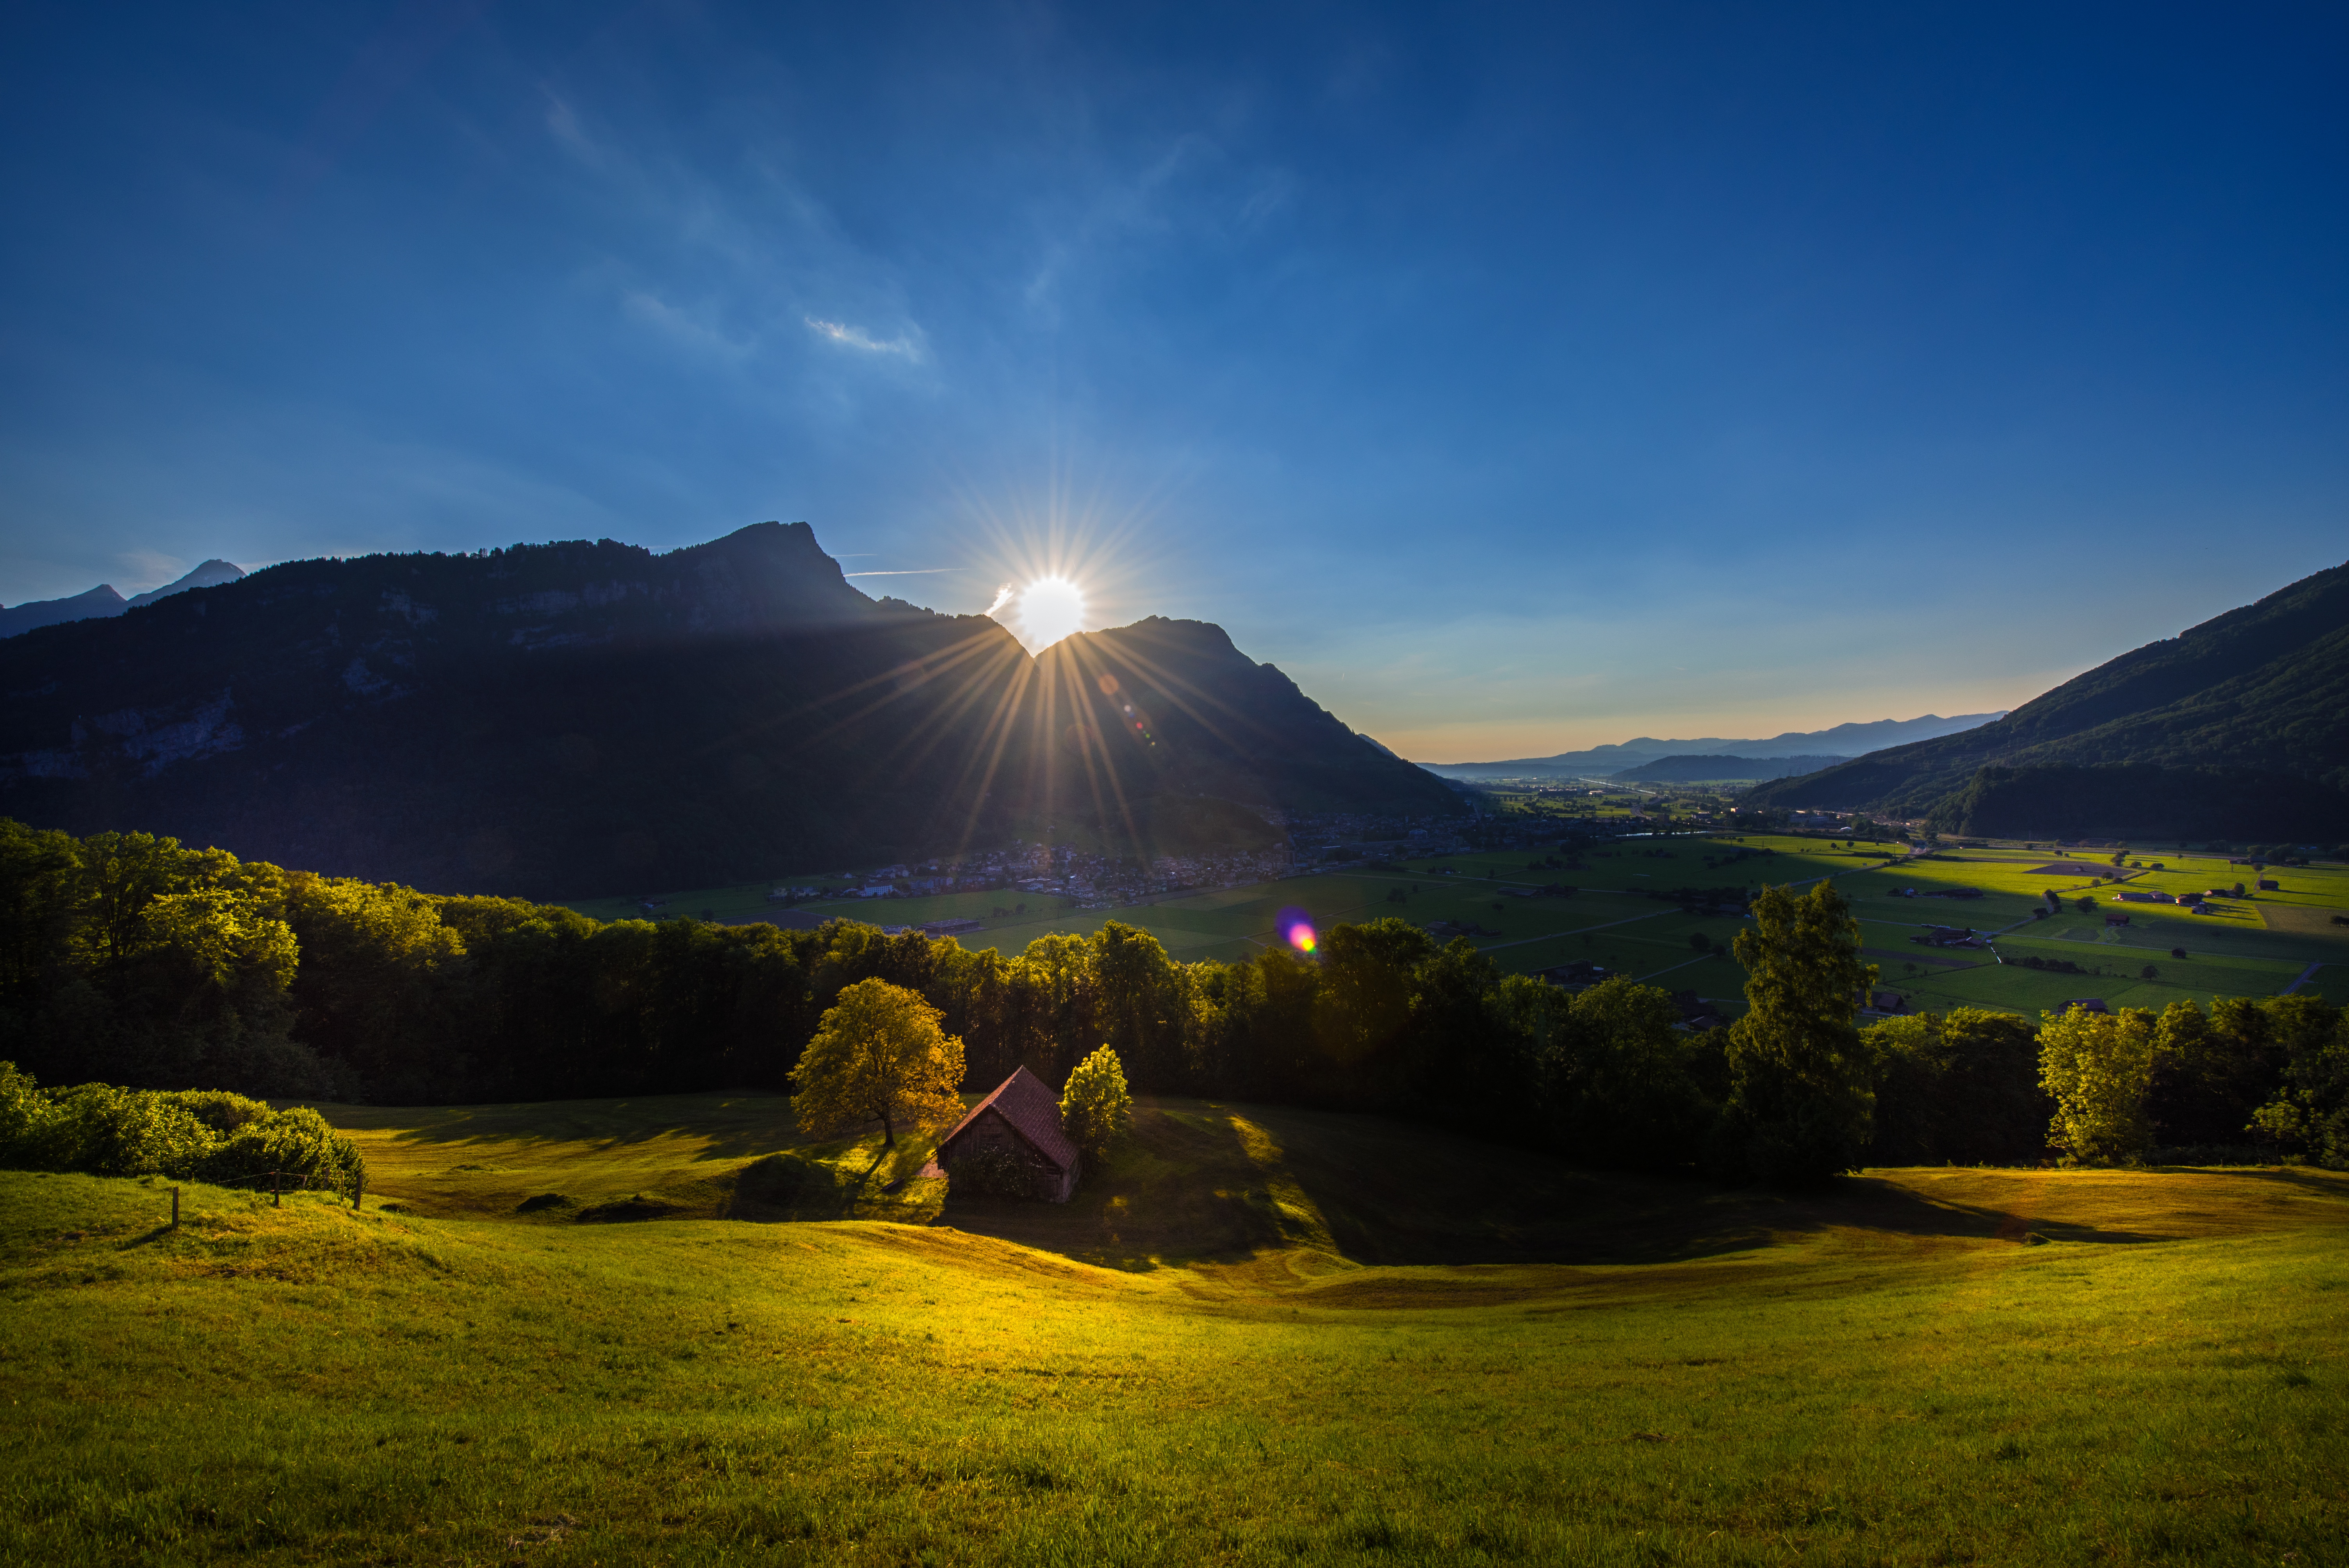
[(204, 1135), (1096, 1107)]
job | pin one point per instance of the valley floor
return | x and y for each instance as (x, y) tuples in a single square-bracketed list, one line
[(2276, 940), (1264, 1335)]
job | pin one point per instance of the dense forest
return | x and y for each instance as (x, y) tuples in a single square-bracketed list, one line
[(129, 959)]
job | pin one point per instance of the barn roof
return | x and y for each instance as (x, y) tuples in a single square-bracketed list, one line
[(1033, 1113)]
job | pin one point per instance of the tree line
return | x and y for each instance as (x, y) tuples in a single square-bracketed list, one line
[(133, 960)]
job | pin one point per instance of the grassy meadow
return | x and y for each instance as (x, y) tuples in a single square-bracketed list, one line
[(1262, 1336)]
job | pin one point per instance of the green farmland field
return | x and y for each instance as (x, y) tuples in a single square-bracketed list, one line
[(1260, 1337), (2255, 946)]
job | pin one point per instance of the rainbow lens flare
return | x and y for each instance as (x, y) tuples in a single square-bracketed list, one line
[(1296, 928)]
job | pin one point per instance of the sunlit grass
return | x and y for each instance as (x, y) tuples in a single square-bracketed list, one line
[(1304, 1353)]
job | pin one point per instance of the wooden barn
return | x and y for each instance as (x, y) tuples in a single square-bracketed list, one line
[(1021, 1118)]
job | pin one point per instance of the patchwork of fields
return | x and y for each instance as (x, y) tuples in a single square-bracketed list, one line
[(2255, 946), (1261, 1337)]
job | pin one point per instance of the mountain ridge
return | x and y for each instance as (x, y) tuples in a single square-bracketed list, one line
[(1688, 769), (102, 602), (576, 718), (1849, 739), (2237, 727)]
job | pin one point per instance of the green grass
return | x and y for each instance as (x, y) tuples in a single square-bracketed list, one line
[(1262, 1337)]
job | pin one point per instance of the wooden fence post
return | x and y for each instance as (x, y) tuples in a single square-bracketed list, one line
[(175, 1207), (277, 1197)]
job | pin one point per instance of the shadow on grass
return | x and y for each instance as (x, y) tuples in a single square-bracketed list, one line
[(1183, 1189), (1186, 1190), (736, 1125)]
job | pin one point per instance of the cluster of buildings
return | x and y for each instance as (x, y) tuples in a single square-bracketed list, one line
[(1053, 871)]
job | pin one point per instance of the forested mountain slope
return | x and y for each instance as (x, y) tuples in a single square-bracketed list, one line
[(576, 718), (2238, 727)]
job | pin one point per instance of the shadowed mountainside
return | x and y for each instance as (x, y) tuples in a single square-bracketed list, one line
[(2238, 727), (577, 718), (1171, 708)]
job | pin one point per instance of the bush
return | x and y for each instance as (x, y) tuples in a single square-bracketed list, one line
[(1096, 1107), (202, 1135)]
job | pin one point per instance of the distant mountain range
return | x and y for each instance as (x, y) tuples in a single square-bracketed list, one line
[(1688, 769), (2236, 728), (576, 719), (1607, 762), (103, 601)]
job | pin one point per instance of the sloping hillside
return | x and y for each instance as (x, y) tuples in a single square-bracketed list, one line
[(1171, 709), (99, 600), (575, 719), (1317, 1344), (2239, 726)]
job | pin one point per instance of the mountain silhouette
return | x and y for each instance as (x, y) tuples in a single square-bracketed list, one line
[(2238, 727), (579, 718), (103, 601)]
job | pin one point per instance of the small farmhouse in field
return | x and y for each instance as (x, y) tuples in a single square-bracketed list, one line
[(2117, 917), (1021, 1118)]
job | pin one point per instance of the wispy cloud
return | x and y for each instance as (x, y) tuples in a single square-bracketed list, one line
[(563, 124), (690, 328), (151, 567), (905, 345)]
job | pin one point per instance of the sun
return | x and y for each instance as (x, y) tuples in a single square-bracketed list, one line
[(1048, 609)]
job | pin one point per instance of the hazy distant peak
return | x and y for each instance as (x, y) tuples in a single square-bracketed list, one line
[(98, 601), (212, 574), (1843, 740)]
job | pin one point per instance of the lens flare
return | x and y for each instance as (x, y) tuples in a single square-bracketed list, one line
[(1296, 928)]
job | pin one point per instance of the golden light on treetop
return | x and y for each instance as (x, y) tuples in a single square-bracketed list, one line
[(878, 1054)]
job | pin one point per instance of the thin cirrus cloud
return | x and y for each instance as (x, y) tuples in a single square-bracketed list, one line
[(905, 345)]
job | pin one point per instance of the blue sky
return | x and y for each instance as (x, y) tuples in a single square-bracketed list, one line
[(1515, 378)]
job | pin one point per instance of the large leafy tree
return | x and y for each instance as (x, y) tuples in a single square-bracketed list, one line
[(2099, 1068), (1364, 1011), (878, 1054), (1959, 1086), (1799, 1103), (1144, 1007)]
